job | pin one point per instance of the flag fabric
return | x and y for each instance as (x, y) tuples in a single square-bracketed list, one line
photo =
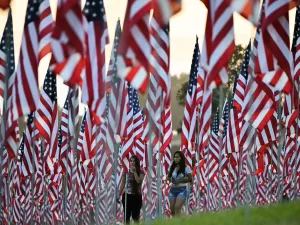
[(93, 90), (214, 149), (275, 36), (296, 45), (160, 54), (35, 45), (68, 44), (138, 127), (190, 110), (128, 143), (134, 50), (7, 53), (277, 8), (47, 119), (218, 45), (7, 60), (118, 91), (240, 87)]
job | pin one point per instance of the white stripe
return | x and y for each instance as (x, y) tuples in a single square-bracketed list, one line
[(137, 6), (274, 6), (69, 68), (75, 24), (42, 123), (141, 41)]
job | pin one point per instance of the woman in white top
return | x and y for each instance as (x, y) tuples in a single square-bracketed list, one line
[(179, 175)]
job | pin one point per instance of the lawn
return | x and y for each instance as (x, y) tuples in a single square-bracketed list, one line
[(281, 214)]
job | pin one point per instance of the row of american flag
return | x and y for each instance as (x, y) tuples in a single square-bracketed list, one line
[(61, 171)]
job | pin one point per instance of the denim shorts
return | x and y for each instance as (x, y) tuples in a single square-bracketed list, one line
[(178, 193)]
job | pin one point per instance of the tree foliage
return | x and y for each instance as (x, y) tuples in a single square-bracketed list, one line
[(234, 66)]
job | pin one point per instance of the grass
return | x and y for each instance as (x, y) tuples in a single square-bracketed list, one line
[(281, 214)]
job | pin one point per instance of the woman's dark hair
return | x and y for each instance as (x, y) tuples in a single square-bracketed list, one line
[(181, 164), (135, 185)]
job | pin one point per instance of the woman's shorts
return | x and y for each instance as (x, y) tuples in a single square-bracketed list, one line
[(178, 193)]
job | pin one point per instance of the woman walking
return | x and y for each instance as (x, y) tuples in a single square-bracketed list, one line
[(179, 175), (134, 177)]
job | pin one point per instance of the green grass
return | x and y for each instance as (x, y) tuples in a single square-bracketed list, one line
[(281, 214)]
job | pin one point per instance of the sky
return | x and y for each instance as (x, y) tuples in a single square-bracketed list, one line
[(184, 27)]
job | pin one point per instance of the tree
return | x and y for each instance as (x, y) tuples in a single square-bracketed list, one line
[(234, 66)]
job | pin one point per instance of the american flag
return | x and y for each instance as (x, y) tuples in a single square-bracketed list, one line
[(47, 117), (167, 130), (218, 45), (190, 110), (29, 151), (118, 100), (113, 57), (275, 36), (134, 50), (138, 127), (166, 9), (7, 53), (7, 60), (234, 126), (276, 9), (239, 93), (234, 130), (68, 44), (93, 90), (296, 45), (160, 54), (64, 123), (84, 139), (128, 143), (213, 149), (35, 45)]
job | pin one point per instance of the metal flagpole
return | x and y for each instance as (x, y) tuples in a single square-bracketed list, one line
[(98, 179), (115, 173), (220, 145), (125, 208), (150, 165), (297, 149), (33, 174), (159, 160), (281, 140)]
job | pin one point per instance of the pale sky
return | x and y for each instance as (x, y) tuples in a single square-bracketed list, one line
[(183, 30)]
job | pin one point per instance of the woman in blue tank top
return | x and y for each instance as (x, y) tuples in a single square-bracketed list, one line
[(179, 175)]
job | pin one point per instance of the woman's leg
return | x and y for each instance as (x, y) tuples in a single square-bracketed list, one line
[(180, 200), (178, 205), (128, 208), (136, 208), (172, 198)]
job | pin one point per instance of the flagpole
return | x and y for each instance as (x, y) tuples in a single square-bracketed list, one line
[(33, 173), (97, 180), (221, 91), (238, 180), (115, 173), (281, 140), (72, 144), (125, 208), (150, 165), (159, 159), (297, 150)]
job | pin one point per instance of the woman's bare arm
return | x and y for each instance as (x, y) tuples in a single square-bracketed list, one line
[(139, 179)]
